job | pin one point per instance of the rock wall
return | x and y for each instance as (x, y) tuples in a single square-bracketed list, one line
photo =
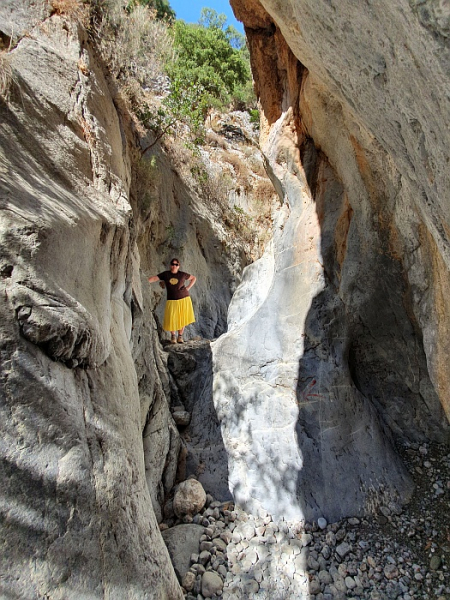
[(89, 447), (337, 336), (77, 513)]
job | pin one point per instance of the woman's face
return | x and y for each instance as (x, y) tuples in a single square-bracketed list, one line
[(174, 266)]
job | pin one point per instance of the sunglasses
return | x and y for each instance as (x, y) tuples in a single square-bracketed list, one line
[(174, 264)]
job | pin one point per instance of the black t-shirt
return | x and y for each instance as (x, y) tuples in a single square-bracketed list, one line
[(175, 284)]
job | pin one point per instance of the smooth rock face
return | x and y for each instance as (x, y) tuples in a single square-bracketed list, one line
[(182, 541), (336, 336)]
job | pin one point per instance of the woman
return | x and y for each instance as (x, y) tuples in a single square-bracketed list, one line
[(179, 311)]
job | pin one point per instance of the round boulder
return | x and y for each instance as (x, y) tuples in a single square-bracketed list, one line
[(211, 584), (189, 498)]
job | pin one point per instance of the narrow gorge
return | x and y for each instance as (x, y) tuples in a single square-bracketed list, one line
[(312, 394)]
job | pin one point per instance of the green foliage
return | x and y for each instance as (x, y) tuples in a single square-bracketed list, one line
[(244, 97), (184, 104), (238, 41), (200, 174), (206, 58), (207, 64), (210, 68), (254, 116), (210, 19), (211, 61)]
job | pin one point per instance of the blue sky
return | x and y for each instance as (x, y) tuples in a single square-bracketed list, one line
[(189, 10)]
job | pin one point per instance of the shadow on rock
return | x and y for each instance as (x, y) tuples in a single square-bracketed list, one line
[(190, 367)]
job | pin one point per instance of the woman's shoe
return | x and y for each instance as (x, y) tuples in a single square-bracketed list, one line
[(173, 340), (180, 340)]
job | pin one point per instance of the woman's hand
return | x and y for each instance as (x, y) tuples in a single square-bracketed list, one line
[(191, 280)]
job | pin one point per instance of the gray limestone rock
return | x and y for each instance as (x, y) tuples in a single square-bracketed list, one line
[(212, 584), (334, 340), (182, 541), (70, 405), (189, 498), (343, 549), (181, 418), (188, 581)]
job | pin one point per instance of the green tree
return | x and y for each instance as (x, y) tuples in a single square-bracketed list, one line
[(184, 104), (210, 19), (211, 68), (206, 57)]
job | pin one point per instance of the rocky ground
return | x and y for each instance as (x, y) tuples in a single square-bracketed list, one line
[(399, 554)]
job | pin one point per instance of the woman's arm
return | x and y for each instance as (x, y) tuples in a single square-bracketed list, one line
[(153, 279), (192, 279)]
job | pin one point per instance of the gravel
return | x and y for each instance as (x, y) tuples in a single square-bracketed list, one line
[(395, 554)]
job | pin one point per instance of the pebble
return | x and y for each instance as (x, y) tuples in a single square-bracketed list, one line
[(392, 555), (435, 562), (212, 584), (343, 549), (188, 581)]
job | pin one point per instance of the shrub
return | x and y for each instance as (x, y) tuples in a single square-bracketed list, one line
[(254, 116), (162, 8), (215, 140), (73, 9), (134, 43), (264, 191), (239, 167)]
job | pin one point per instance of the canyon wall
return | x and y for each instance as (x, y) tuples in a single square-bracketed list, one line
[(89, 447), (77, 513), (337, 337)]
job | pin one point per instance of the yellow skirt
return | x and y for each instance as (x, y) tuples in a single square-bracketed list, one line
[(178, 314)]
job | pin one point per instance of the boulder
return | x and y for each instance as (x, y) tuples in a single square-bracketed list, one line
[(181, 417), (182, 541), (189, 499)]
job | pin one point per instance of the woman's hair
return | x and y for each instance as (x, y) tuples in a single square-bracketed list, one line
[(174, 259)]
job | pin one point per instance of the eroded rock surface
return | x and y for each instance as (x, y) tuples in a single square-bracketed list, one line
[(334, 348), (91, 450), (78, 518), (90, 447)]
